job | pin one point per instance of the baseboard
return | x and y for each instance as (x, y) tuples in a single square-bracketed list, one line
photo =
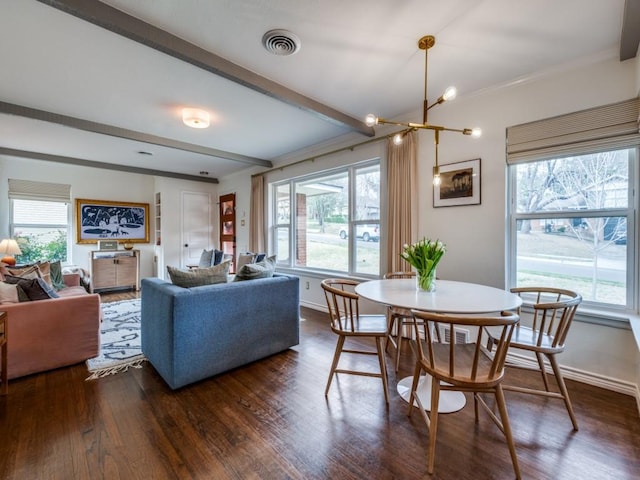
[(589, 378), (314, 306)]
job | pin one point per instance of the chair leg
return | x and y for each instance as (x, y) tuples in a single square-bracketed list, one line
[(506, 428), (383, 367), (414, 386), (543, 371), (433, 424), (563, 389), (391, 325), (334, 365), (398, 344)]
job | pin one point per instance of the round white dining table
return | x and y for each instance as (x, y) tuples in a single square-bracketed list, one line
[(449, 297)]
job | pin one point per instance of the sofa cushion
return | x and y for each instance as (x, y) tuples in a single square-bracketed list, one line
[(57, 280), (44, 271), (199, 276), (27, 271), (205, 259), (217, 257), (251, 271), (9, 293), (35, 288)]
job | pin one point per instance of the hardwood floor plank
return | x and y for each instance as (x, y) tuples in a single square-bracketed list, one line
[(271, 420)]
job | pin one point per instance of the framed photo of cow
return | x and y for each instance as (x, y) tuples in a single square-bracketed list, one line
[(459, 184), (123, 222)]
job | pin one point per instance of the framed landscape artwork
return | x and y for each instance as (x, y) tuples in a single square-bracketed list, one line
[(459, 184), (105, 220)]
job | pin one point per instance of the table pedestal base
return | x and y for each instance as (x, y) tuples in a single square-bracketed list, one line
[(450, 401)]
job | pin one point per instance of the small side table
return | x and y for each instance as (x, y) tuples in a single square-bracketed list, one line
[(4, 377)]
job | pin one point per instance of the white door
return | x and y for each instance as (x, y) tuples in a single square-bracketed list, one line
[(196, 226)]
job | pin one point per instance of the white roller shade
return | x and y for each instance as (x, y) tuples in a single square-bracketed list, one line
[(594, 130), (28, 190)]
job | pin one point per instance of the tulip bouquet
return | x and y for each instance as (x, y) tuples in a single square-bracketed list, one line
[(424, 256)]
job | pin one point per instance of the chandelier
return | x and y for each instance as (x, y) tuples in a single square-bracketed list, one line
[(425, 43)]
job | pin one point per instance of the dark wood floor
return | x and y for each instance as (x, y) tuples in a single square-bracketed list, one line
[(271, 420)]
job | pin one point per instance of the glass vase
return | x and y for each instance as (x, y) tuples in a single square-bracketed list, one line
[(426, 280)]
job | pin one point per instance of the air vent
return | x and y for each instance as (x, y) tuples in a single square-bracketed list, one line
[(462, 335), (281, 42)]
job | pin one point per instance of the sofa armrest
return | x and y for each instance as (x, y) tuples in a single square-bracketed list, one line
[(71, 279)]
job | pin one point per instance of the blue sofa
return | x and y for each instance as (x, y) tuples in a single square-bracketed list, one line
[(189, 334)]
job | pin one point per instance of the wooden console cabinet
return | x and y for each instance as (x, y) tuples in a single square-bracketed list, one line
[(114, 269)]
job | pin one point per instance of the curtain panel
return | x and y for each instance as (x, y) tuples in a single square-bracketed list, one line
[(402, 198)]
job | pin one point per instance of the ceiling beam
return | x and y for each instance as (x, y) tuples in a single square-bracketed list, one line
[(630, 35), (104, 129), (10, 152), (137, 30)]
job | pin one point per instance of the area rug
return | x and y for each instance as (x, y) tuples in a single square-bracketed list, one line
[(119, 340)]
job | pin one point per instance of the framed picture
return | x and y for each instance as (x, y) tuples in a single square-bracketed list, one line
[(459, 184), (104, 220)]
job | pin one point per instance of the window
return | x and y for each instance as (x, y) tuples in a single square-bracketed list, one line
[(573, 208), (570, 223), (329, 221), (39, 219)]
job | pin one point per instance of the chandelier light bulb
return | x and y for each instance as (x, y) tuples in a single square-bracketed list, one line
[(450, 93), (397, 139), (371, 120), (476, 132)]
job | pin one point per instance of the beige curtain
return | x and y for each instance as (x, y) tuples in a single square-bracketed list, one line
[(402, 198), (257, 243)]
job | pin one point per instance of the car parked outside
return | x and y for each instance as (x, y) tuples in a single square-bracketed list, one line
[(368, 233)]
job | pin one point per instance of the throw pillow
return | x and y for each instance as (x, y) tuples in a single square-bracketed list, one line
[(205, 259), (217, 257), (243, 259), (56, 275), (200, 276), (44, 271), (251, 271), (8, 293), (28, 271), (3, 271), (35, 288)]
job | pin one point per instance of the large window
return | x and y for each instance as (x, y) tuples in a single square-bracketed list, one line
[(572, 224), (329, 221)]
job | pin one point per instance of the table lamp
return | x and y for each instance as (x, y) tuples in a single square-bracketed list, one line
[(9, 247)]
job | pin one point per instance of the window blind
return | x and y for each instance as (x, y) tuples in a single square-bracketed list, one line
[(588, 131), (29, 190)]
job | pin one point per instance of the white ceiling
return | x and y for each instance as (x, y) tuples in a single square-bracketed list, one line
[(356, 57)]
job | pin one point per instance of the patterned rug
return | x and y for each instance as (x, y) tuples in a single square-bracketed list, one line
[(119, 340)]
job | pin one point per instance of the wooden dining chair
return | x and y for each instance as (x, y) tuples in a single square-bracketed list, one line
[(463, 367), (399, 320), (553, 312), (348, 323)]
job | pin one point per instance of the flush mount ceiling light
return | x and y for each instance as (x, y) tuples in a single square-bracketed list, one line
[(425, 43), (281, 42), (195, 118)]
